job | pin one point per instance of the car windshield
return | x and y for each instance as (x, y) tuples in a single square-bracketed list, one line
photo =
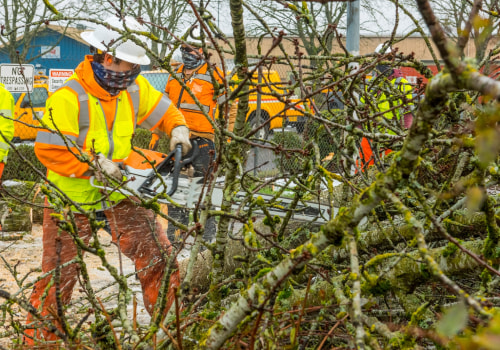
[(16, 95), (157, 79)]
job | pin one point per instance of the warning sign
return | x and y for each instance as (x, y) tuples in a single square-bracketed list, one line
[(57, 77), (17, 77)]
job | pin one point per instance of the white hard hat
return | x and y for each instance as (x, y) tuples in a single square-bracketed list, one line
[(103, 38), (379, 48)]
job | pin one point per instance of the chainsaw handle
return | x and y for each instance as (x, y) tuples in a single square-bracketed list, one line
[(93, 184), (194, 155), (177, 153), (171, 165), (179, 163)]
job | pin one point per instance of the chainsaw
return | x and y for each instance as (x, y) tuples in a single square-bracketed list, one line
[(149, 174), (171, 178)]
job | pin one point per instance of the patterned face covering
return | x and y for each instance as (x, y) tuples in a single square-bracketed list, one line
[(114, 82), (190, 59)]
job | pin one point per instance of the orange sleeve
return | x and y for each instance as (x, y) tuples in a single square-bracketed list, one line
[(172, 91), (172, 119), (167, 86), (60, 160)]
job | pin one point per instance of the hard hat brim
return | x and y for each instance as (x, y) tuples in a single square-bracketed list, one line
[(90, 38)]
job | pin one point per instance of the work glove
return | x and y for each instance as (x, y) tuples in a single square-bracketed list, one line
[(153, 144), (180, 134), (105, 165)]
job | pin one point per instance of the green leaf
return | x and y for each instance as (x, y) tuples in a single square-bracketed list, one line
[(453, 321)]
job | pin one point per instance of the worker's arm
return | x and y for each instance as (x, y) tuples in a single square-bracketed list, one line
[(51, 148)]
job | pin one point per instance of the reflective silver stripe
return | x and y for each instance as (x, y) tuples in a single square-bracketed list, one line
[(221, 99), (194, 107), (178, 75), (53, 139), (4, 145), (401, 85), (398, 80), (204, 77), (111, 141), (154, 118), (84, 113), (133, 90), (6, 112)]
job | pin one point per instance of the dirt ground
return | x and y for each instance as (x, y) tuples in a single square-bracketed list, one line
[(26, 256)]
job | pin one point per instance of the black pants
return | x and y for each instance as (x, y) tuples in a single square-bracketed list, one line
[(206, 154), (201, 165)]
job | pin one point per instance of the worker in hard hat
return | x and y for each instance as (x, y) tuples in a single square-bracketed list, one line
[(6, 124), (95, 114), (195, 74), (395, 108)]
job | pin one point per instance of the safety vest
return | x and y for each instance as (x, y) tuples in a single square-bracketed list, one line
[(201, 86), (385, 103), (6, 125), (91, 132)]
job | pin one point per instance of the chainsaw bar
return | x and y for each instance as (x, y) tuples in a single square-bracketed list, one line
[(167, 179)]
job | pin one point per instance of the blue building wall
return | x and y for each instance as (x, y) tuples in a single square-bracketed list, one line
[(67, 54)]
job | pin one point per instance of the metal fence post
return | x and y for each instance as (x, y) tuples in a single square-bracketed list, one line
[(257, 118)]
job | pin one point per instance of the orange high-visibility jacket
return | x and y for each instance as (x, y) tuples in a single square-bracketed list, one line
[(88, 115), (201, 86)]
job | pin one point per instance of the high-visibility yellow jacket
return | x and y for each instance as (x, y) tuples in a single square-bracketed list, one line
[(200, 84), (88, 115), (386, 103), (6, 125)]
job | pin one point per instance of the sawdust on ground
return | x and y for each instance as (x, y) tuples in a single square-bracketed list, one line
[(24, 258)]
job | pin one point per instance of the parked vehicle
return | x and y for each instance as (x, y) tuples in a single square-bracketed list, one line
[(273, 108), (28, 107)]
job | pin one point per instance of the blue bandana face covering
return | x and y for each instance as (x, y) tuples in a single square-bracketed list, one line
[(189, 59), (114, 82)]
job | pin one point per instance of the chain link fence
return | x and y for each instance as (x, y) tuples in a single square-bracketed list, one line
[(289, 94), (297, 96)]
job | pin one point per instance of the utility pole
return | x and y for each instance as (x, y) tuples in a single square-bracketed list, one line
[(352, 46), (352, 37)]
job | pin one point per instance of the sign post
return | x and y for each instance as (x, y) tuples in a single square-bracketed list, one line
[(17, 77), (57, 77)]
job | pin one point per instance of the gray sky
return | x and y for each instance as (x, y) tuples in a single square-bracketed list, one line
[(379, 20)]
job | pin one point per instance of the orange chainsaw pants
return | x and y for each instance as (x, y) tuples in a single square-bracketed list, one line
[(132, 231)]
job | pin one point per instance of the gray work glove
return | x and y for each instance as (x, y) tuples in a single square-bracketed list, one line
[(105, 165), (180, 134)]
